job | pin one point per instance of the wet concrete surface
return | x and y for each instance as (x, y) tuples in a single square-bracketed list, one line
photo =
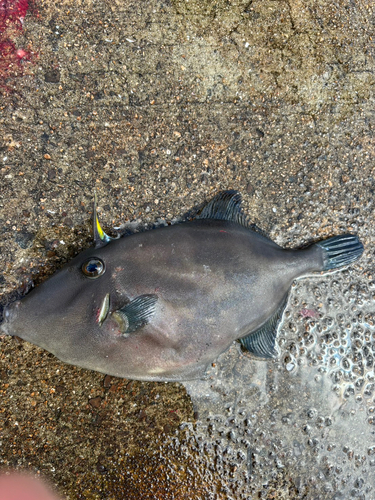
[(157, 106)]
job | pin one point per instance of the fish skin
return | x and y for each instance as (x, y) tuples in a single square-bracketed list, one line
[(215, 281)]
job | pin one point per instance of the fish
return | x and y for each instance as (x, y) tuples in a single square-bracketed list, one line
[(163, 304)]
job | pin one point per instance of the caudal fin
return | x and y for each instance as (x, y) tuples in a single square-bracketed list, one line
[(340, 251)]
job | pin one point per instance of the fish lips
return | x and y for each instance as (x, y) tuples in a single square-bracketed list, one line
[(9, 314)]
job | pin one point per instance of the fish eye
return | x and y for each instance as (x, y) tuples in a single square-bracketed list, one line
[(93, 268)]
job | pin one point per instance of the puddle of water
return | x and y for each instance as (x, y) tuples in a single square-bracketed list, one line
[(306, 421)]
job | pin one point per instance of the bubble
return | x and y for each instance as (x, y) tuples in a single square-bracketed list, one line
[(311, 413), (337, 376)]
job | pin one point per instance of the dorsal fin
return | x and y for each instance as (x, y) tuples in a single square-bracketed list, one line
[(100, 237), (226, 205)]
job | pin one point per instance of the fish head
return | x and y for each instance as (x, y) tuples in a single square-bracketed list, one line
[(69, 308)]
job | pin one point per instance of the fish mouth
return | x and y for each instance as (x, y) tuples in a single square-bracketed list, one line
[(9, 314), (103, 311)]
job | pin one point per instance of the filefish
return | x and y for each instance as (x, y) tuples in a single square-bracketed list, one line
[(163, 304)]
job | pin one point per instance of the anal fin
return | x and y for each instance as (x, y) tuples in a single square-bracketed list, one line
[(262, 342)]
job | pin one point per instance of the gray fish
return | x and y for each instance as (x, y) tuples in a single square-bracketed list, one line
[(163, 304)]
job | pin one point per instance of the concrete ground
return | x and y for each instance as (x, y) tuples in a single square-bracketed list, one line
[(157, 106)]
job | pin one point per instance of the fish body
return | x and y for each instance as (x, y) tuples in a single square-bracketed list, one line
[(163, 304)]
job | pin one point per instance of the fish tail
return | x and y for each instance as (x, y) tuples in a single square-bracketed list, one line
[(340, 251)]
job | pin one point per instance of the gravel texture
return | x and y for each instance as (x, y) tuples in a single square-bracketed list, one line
[(157, 106)]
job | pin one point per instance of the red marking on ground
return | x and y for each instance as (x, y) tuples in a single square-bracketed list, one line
[(12, 15), (14, 10), (222, 231)]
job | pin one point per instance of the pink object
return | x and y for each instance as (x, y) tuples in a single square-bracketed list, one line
[(309, 313), (15, 486), (20, 53)]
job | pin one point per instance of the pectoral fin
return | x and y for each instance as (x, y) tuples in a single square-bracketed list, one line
[(136, 313), (262, 342)]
